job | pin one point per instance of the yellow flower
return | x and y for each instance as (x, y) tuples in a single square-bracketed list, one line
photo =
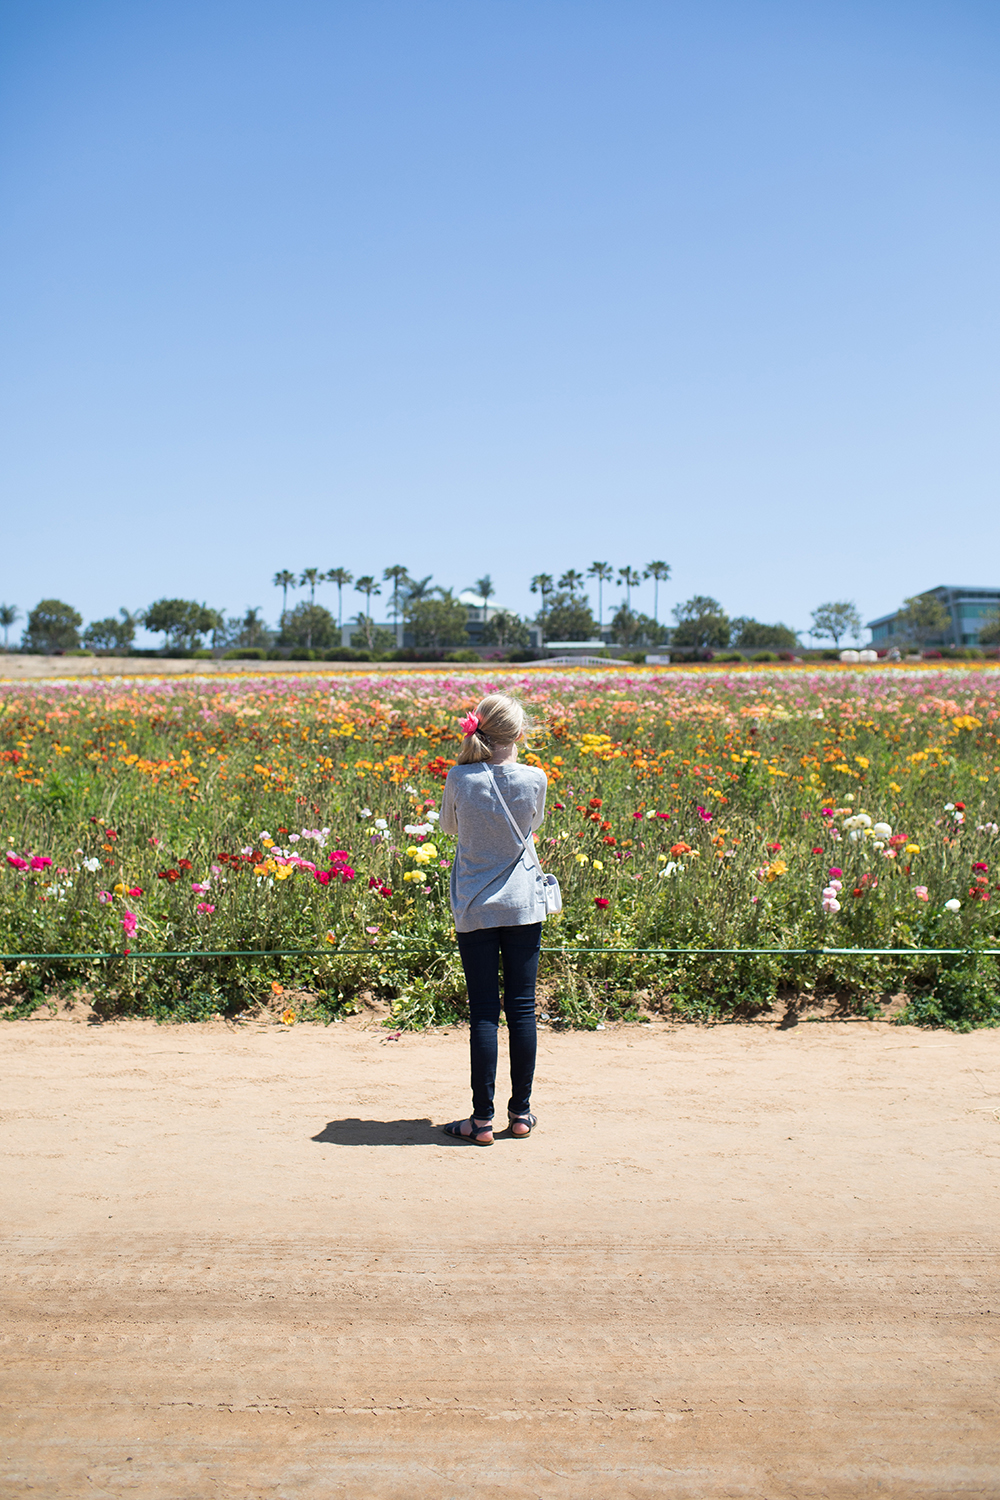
[(863, 761), (598, 864), (282, 872), (913, 848), (119, 889), (894, 786), (661, 859), (289, 1017), (582, 859), (268, 843)]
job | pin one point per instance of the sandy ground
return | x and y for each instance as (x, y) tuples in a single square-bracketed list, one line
[(730, 1262)]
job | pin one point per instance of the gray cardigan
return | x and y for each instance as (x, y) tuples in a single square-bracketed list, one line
[(493, 881)]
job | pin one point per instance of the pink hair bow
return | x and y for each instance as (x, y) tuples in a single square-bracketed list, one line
[(469, 724)]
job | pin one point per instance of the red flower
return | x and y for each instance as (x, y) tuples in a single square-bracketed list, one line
[(184, 864), (817, 851), (324, 877), (596, 802), (637, 815), (776, 849), (601, 902), (960, 807), (559, 806), (609, 840), (664, 816), (605, 826), (984, 869)]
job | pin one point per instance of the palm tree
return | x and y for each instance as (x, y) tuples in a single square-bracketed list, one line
[(571, 580), (398, 575), (542, 584), (367, 586), (340, 577), (659, 572), (9, 615), (631, 579), (604, 573), (284, 581), (420, 588), (311, 576), (485, 589)]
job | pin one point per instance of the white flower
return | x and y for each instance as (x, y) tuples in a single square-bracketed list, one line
[(878, 844), (651, 814), (669, 869), (365, 812), (953, 905), (949, 807), (854, 835), (959, 817), (831, 904), (882, 831), (417, 828), (987, 828), (92, 865), (381, 823), (293, 838)]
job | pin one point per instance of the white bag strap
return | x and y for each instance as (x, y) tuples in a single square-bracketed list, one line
[(529, 848)]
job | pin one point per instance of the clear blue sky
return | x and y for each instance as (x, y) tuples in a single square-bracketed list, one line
[(499, 286)]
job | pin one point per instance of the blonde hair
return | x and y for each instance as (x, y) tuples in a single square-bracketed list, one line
[(502, 720)]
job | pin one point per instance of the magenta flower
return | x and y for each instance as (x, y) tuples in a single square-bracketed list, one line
[(706, 817), (40, 862), (198, 888), (324, 877), (979, 868), (835, 872), (16, 862), (105, 898), (205, 908), (601, 902), (136, 890), (129, 923)]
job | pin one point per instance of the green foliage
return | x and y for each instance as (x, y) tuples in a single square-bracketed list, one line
[(923, 618), (631, 629), (835, 620), (111, 637), (52, 626), (182, 622), (309, 625), (701, 622), (505, 629), (750, 635), (568, 617), (437, 622)]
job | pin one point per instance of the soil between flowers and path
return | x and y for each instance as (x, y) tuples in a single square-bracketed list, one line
[(739, 1260)]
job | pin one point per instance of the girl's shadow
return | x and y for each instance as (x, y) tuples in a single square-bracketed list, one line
[(380, 1133)]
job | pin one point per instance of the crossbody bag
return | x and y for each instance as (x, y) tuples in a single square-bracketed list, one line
[(550, 885)]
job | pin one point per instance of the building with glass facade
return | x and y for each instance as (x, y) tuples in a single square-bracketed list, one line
[(970, 609)]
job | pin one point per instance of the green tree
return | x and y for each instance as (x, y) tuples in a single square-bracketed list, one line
[(659, 572), (52, 627), (989, 630), (505, 629), (420, 588), (923, 618), (181, 622), (629, 578), (309, 579), (569, 618), (438, 622), (631, 629), (308, 625), (542, 583), (834, 620), (111, 637), (571, 581), (604, 573), (341, 577), (701, 622), (284, 581), (485, 589), (367, 586), (751, 635), (9, 615), (398, 576)]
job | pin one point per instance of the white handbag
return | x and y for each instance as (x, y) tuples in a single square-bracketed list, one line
[(550, 886)]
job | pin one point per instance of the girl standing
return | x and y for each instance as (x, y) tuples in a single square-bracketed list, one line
[(497, 898)]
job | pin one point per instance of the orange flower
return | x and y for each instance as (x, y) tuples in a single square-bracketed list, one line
[(679, 849)]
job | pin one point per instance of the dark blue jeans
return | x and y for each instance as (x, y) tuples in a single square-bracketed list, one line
[(482, 953)]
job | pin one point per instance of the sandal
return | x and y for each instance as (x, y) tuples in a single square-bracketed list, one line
[(472, 1139), (530, 1120)]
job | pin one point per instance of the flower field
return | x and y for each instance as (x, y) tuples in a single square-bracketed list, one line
[(797, 809)]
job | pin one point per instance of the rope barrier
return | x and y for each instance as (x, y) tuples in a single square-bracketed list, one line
[(332, 952)]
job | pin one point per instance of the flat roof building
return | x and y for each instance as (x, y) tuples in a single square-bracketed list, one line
[(970, 608)]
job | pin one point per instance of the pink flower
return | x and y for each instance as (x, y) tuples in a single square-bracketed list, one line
[(835, 872), (601, 902), (637, 815), (40, 862), (205, 908), (920, 891), (105, 898), (16, 862), (198, 888), (979, 868), (154, 843), (324, 877), (706, 817), (371, 929), (135, 890), (129, 923), (469, 724)]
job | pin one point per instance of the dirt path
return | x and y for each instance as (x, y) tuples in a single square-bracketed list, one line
[(730, 1262)]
